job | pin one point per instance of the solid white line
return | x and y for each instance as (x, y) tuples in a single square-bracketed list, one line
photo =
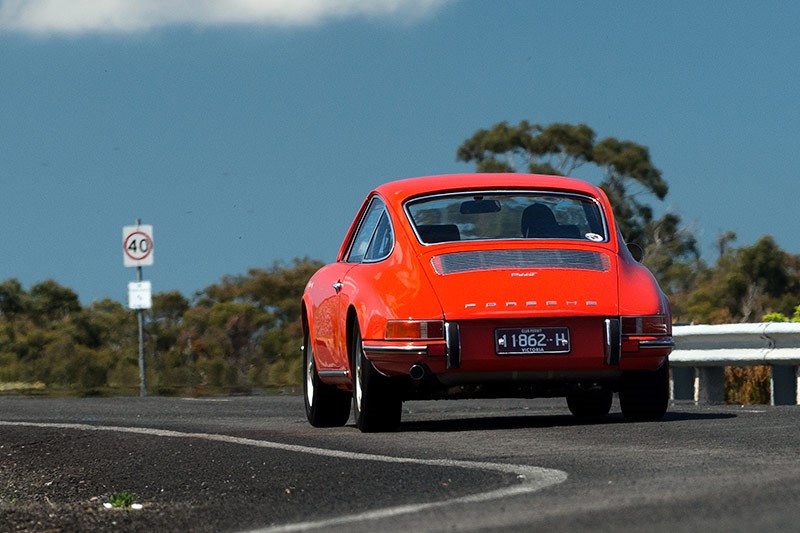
[(533, 478), (187, 399)]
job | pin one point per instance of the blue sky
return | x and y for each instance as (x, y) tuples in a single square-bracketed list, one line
[(250, 132)]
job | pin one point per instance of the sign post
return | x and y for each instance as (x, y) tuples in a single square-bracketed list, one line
[(137, 248)]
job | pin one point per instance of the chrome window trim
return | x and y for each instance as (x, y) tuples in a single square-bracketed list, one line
[(383, 212), (394, 239), (486, 192)]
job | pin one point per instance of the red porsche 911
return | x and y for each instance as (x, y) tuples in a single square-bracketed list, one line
[(484, 286)]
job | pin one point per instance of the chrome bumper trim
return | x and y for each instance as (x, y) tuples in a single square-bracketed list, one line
[(452, 338), (613, 341), (659, 343), (333, 373), (396, 350)]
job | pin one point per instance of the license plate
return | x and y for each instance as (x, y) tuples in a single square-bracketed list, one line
[(511, 341)]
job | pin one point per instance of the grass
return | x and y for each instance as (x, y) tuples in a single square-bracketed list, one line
[(19, 386), (122, 500)]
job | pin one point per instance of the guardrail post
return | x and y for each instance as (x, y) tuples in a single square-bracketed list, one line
[(711, 388), (682, 382), (784, 384)]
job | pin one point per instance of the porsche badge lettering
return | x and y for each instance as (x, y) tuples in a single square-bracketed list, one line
[(530, 303)]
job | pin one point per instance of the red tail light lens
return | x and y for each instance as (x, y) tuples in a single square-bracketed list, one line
[(645, 325), (414, 329)]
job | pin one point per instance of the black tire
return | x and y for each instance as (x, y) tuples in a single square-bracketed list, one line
[(644, 396), (590, 404), (377, 405), (326, 405)]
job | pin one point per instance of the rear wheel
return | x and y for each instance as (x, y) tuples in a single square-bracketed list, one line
[(377, 405), (644, 396), (326, 405), (592, 403)]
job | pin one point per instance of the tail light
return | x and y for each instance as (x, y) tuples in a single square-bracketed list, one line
[(414, 330), (637, 326)]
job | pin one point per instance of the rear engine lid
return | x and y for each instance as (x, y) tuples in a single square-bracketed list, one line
[(510, 283)]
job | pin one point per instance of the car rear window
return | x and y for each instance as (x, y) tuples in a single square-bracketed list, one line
[(506, 215)]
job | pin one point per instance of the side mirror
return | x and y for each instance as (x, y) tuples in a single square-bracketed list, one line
[(636, 251)]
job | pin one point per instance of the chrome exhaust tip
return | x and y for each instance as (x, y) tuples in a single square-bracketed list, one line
[(417, 372)]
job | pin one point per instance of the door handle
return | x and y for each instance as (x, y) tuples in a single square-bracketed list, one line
[(337, 286)]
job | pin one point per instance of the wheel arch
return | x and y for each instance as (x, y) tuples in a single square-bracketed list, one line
[(305, 325), (303, 317), (350, 324)]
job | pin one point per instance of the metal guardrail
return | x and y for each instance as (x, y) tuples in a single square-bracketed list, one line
[(702, 352)]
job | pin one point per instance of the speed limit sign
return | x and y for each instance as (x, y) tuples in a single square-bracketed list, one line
[(137, 245)]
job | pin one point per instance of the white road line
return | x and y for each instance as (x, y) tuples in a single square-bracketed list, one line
[(532, 478), (207, 400)]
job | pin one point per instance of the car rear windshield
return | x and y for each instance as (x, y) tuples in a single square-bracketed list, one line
[(506, 215)]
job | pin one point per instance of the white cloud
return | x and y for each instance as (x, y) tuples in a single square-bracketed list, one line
[(126, 16)]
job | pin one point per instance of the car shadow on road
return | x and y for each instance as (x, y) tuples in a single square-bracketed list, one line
[(489, 423)]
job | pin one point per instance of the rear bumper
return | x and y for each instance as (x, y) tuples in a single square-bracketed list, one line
[(470, 358), (466, 365), (397, 361)]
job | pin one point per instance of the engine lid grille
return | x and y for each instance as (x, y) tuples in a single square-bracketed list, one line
[(458, 262)]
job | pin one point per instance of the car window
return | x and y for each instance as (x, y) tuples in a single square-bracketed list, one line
[(382, 241), (482, 215), (366, 230)]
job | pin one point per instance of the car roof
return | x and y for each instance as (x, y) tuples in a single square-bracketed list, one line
[(395, 193), (401, 190)]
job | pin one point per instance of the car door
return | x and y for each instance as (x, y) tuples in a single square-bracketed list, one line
[(325, 326), (337, 291)]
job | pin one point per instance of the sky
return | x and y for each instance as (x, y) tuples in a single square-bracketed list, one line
[(249, 132)]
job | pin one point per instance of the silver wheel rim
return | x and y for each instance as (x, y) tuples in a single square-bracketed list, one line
[(309, 376)]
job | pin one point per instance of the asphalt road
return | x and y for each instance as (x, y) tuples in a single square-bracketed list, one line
[(254, 464)]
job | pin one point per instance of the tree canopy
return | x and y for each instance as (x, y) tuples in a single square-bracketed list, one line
[(236, 335), (623, 169)]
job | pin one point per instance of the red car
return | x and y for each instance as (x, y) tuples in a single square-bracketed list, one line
[(484, 286)]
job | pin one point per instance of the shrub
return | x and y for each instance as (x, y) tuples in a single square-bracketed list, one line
[(747, 385)]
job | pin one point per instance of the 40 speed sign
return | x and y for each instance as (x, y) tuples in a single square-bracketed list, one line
[(137, 245)]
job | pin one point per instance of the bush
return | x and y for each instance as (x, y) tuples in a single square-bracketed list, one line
[(747, 385)]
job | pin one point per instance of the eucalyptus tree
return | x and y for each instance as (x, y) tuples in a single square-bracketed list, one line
[(622, 168)]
